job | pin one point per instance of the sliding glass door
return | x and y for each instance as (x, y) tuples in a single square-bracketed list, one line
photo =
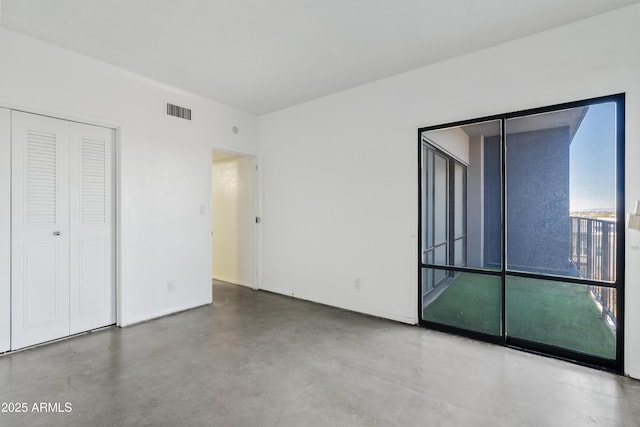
[(458, 288), (522, 222), (562, 228)]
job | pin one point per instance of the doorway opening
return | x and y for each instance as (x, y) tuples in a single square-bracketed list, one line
[(234, 218)]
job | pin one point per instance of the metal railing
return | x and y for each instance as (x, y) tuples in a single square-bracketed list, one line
[(593, 243)]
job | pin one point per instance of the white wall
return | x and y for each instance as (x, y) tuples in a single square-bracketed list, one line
[(164, 165), (340, 173), (233, 220), (5, 229)]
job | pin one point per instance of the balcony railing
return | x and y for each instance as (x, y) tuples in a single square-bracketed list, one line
[(593, 243)]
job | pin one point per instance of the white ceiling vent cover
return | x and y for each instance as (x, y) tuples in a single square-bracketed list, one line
[(178, 111)]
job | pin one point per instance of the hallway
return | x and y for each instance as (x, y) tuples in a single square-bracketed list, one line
[(259, 359)]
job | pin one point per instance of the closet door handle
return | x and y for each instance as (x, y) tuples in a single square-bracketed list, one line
[(56, 233)]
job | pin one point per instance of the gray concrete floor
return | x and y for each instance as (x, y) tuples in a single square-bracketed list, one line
[(259, 359)]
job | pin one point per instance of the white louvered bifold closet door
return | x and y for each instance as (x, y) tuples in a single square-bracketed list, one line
[(62, 228), (92, 286), (40, 230)]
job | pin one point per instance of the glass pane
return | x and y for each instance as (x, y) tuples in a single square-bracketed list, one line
[(459, 194), (440, 255), (428, 214), (465, 176), (465, 300), (440, 210), (561, 187), (439, 276), (459, 252), (427, 257), (576, 317), (427, 281)]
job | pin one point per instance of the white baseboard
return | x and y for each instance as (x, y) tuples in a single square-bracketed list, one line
[(364, 310), (145, 318), (633, 373)]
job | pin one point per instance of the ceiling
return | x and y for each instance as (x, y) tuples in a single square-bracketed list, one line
[(264, 55)]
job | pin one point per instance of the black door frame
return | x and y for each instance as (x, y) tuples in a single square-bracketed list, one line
[(617, 364)]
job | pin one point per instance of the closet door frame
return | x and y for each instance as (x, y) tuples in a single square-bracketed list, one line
[(5, 229), (117, 242)]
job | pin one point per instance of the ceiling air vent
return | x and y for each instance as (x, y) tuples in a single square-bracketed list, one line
[(178, 111)]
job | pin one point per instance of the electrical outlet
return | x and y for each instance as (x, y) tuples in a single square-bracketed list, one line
[(357, 283), (170, 286)]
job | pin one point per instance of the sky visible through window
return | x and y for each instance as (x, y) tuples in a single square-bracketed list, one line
[(592, 175)]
